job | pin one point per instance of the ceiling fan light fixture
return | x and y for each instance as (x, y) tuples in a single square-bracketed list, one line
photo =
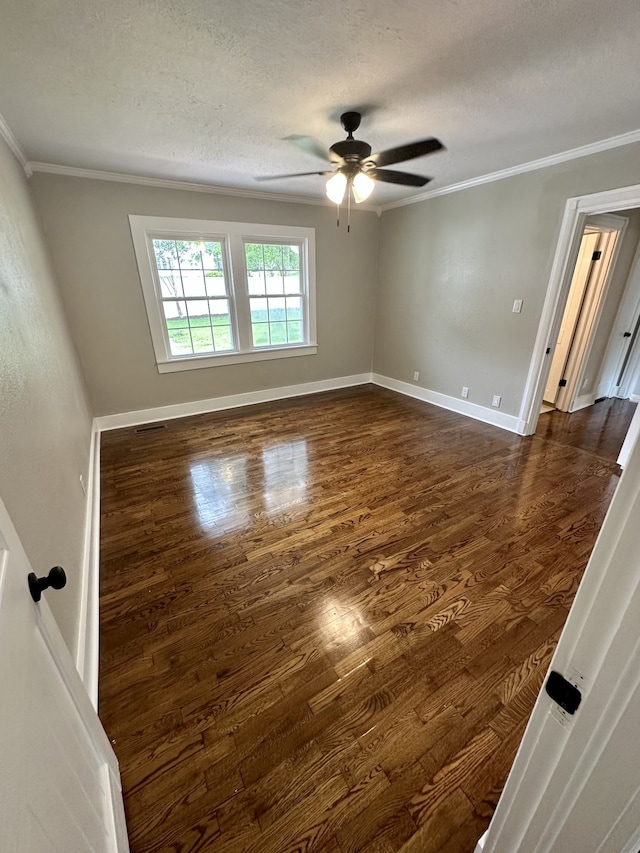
[(362, 187), (336, 186)]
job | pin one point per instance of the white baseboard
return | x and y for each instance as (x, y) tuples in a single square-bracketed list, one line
[(463, 407), (216, 404), (635, 398), (583, 402), (480, 845), (87, 640)]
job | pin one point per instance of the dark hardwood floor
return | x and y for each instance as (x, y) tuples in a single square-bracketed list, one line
[(324, 621), (599, 429)]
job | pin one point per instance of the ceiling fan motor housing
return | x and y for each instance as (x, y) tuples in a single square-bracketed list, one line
[(352, 151)]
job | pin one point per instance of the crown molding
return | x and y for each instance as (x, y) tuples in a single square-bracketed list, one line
[(190, 186), (573, 154), (7, 134), (193, 186)]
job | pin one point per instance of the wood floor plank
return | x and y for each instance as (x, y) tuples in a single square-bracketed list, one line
[(325, 621)]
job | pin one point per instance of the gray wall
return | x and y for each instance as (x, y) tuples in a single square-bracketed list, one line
[(451, 266), (87, 230), (45, 424)]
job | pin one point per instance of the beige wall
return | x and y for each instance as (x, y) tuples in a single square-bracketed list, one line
[(450, 268), (87, 230), (45, 425)]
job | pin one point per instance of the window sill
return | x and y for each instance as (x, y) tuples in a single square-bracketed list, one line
[(234, 358)]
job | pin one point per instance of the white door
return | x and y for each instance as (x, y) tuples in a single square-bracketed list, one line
[(617, 365), (575, 783), (571, 314), (59, 779)]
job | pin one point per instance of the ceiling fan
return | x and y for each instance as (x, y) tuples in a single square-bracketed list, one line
[(356, 168)]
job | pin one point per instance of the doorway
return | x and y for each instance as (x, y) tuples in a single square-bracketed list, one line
[(601, 356), (590, 285)]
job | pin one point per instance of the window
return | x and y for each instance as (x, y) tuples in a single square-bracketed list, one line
[(223, 292)]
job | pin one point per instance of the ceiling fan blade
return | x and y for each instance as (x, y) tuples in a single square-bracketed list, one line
[(310, 145), (294, 175), (389, 176), (406, 152)]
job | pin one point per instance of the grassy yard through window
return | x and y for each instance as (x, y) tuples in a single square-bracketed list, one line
[(200, 333)]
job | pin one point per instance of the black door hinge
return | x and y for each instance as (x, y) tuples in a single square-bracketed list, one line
[(563, 692), (596, 255), (562, 383), (548, 351)]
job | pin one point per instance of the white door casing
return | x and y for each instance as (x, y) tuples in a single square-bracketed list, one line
[(59, 783)]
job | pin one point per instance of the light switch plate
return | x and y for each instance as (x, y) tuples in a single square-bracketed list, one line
[(517, 306)]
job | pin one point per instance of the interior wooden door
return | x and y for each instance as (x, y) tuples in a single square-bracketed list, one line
[(59, 783)]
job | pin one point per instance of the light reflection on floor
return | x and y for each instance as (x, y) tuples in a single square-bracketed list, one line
[(286, 473), (220, 486)]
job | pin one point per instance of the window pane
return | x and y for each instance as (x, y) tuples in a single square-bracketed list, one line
[(260, 334), (214, 280), (272, 256), (294, 332), (198, 313), (278, 333), (212, 256), (180, 341), (294, 308), (193, 283), (291, 257), (175, 314), (292, 282), (165, 252), (199, 320), (275, 282), (256, 283), (254, 256), (170, 283), (218, 308), (189, 254), (259, 311), (202, 338), (276, 310), (223, 338)]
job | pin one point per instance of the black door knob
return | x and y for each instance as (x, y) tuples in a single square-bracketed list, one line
[(55, 579)]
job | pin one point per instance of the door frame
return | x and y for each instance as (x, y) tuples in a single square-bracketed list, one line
[(576, 211)]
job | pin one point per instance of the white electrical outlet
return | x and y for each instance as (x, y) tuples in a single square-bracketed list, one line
[(416, 376), (82, 485), (496, 401), (465, 391), (517, 306)]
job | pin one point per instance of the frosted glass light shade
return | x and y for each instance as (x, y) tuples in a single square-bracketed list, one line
[(362, 187), (336, 185)]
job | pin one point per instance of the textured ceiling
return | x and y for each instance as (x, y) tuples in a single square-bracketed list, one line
[(206, 91)]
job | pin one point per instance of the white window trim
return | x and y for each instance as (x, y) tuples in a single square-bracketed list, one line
[(233, 236)]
